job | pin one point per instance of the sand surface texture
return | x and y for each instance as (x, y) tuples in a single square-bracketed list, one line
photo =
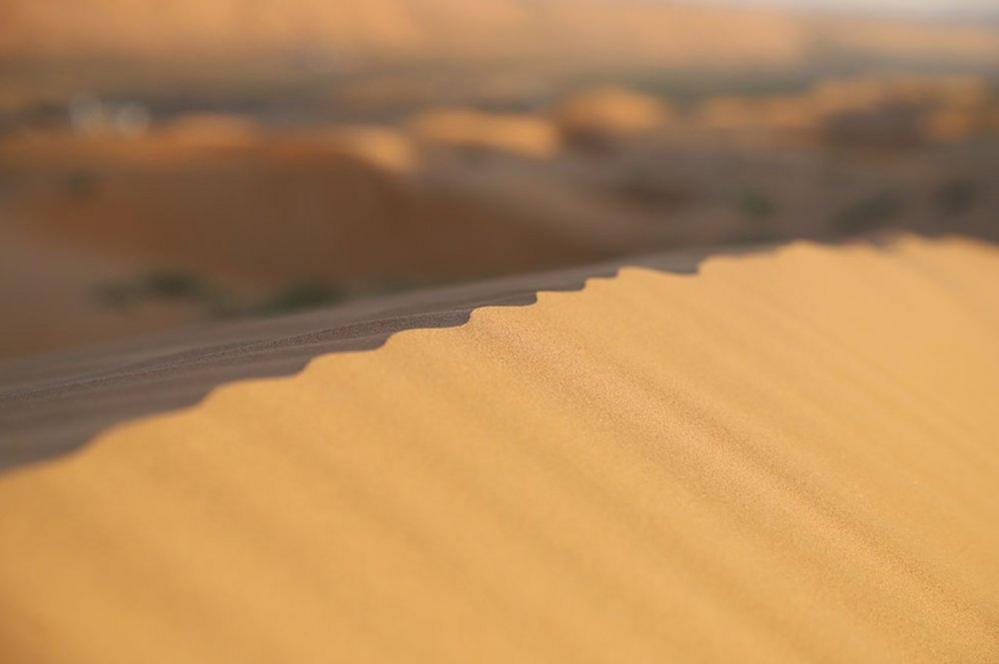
[(786, 457)]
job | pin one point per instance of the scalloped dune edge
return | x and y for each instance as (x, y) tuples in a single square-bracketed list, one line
[(788, 457)]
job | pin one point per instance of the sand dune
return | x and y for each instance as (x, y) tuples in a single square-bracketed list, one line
[(605, 114), (301, 208), (49, 400), (524, 135), (789, 456)]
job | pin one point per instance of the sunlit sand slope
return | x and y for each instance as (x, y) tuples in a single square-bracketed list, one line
[(788, 457)]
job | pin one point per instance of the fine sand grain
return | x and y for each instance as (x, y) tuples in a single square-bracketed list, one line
[(786, 457)]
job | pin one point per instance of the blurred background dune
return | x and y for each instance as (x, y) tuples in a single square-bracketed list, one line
[(171, 162)]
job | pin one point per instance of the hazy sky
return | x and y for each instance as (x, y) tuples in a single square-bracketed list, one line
[(910, 7)]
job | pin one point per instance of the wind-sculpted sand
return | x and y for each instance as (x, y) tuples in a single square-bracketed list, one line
[(791, 456)]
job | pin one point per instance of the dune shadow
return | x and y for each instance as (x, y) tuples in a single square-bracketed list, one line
[(54, 404)]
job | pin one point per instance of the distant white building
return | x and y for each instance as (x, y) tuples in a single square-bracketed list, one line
[(91, 116)]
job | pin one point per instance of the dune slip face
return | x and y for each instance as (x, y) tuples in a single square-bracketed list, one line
[(787, 457)]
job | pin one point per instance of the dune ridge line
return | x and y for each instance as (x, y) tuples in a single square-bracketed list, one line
[(787, 457)]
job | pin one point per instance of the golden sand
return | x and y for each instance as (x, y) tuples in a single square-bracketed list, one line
[(787, 457)]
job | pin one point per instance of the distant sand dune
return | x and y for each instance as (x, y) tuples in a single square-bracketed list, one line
[(300, 208), (523, 135), (610, 113), (787, 457)]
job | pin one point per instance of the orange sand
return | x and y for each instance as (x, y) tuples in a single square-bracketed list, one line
[(788, 457)]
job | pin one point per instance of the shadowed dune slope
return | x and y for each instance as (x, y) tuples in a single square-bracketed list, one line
[(300, 211), (786, 457), (53, 403)]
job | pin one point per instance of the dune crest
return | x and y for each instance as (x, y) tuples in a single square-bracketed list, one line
[(787, 457)]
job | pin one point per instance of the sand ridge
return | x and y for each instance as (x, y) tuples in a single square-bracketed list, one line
[(787, 457)]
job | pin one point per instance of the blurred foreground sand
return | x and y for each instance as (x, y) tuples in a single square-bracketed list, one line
[(787, 457)]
